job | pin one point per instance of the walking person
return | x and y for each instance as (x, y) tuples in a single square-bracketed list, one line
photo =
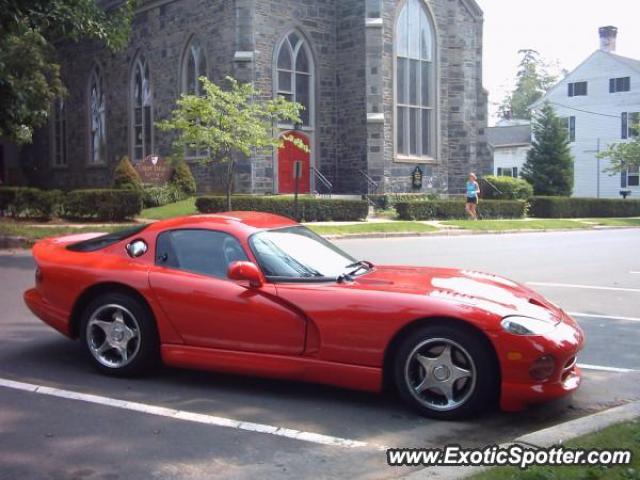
[(473, 196)]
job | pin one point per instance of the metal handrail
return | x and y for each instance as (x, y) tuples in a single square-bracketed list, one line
[(323, 180), (370, 181)]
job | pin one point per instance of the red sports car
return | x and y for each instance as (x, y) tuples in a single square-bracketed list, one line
[(258, 294)]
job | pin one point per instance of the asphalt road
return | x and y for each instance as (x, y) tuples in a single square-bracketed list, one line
[(45, 436)]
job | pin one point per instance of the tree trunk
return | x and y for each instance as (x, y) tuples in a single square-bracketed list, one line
[(230, 168)]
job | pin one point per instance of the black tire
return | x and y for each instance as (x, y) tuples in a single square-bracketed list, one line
[(475, 394), (143, 350)]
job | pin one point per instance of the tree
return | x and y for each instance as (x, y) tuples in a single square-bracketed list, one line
[(125, 176), (29, 74), (532, 81), (229, 122), (623, 156), (549, 165)]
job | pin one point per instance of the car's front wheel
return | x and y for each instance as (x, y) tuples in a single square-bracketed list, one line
[(119, 334), (446, 371)]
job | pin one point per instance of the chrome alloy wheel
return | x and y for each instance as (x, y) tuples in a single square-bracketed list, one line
[(440, 374), (113, 336)]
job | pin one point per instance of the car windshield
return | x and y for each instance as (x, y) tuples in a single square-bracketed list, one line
[(297, 252)]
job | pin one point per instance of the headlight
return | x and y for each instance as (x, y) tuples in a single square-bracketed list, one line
[(526, 325)]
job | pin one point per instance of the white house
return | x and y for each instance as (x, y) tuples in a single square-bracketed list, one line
[(600, 101), (509, 142)]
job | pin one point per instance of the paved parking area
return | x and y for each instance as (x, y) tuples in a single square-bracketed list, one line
[(97, 434)]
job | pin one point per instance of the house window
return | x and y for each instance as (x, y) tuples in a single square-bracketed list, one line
[(507, 172), (630, 124), (97, 120), (578, 89), (59, 133), (632, 177), (414, 80), (570, 125), (295, 72), (194, 66), (622, 84), (141, 110)]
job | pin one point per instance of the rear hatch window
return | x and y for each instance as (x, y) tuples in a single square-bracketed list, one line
[(107, 240)]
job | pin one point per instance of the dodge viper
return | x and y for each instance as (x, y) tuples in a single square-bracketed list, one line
[(261, 295)]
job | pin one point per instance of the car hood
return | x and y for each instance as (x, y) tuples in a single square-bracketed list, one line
[(485, 291)]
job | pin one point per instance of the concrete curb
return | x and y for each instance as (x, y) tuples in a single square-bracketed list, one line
[(547, 437), (9, 242), (461, 232)]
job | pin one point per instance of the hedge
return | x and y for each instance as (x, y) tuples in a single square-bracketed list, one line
[(569, 207), (101, 204), (310, 209), (506, 188), (388, 200), (26, 202), (455, 209)]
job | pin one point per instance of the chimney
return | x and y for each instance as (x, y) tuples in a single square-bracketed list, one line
[(608, 38)]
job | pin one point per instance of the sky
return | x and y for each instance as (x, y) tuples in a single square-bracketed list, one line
[(563, 31)]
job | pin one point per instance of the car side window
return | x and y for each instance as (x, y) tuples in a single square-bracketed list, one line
[(206, 252)]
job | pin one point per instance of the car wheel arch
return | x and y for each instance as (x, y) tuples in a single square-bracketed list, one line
[(99, 289), (409, 328)]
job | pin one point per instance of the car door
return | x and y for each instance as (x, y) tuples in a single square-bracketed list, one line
[(190, 282)]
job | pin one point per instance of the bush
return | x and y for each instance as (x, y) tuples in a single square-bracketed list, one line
[(25, 202), (310, 209), (509, 188), (102, 204), (183, 180), (158, 196), (388, 200), (568, 207), (125, 176), (454, 209)]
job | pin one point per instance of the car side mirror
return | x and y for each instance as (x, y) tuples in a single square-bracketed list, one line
[(246, 271)]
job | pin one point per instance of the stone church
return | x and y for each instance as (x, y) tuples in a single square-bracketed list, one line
[(390, 88)]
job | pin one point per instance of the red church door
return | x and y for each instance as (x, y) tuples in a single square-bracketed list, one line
[(288, 156)]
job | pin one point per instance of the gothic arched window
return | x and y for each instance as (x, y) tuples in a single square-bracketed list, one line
[(97, 118), (415, 82), (194, 66), (141, 110), (295, 74)]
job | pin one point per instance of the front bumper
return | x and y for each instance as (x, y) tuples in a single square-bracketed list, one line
[(517, 354), (46, 312)]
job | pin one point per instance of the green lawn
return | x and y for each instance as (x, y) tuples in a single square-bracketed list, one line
[(16, 229), (179, 209), (501, 225), (373, 227), (615, 222), (623, 436)]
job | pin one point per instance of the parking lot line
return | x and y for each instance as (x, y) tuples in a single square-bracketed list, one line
[(606, 369), (587, 287), (187, 416), (606, 317)]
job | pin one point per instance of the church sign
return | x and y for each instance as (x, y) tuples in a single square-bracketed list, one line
[(154, 170)]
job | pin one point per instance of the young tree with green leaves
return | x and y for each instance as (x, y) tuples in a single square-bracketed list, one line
[(623, 156), (29, 74), (227, 122), (532, 81), (549, 165)]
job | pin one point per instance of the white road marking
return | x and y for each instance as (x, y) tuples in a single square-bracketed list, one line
[(587, 287), (634, 273), (187, 416), (606, 317), (606, 369)]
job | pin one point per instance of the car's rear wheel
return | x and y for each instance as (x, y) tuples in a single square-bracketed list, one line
[(119, 335), (446, 372)]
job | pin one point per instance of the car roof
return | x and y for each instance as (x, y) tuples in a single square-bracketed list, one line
[(249, 220)]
